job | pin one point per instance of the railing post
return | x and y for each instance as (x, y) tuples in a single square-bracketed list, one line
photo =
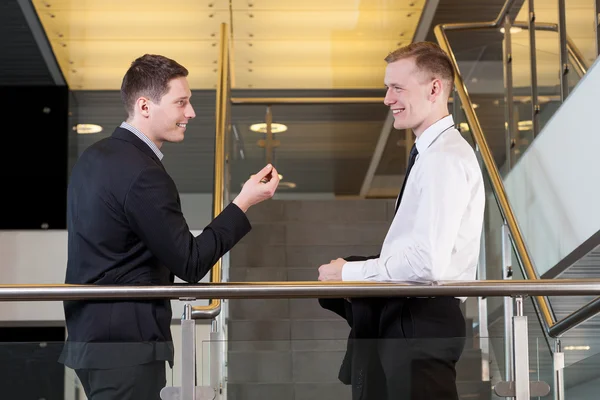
[(521, 352), (564, 55), (559, 377), (596, 27), (508, 307), (484, 337), (535, 107), (188, 389), (188, 354), (508, 94)]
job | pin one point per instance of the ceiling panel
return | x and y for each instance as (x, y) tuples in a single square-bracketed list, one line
[(129, 5), (339, 44), (324, 25), (121, 27), (330, 5)]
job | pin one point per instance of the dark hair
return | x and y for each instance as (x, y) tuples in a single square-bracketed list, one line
[(149, 76), (429, 58)]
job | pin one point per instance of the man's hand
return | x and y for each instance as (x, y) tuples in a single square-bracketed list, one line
[(332, 271), (258, 188)]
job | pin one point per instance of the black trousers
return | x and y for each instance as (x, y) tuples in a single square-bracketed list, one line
[(138, 382), (405, 348)]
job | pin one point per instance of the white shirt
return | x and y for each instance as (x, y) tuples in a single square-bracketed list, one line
[(436, 233)]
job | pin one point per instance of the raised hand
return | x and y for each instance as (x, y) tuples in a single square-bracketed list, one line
[(259, 187)]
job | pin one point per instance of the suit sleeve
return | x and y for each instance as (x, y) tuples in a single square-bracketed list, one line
[(154, 213)]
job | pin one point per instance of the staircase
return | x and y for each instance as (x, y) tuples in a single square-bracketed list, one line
[(291, 349)]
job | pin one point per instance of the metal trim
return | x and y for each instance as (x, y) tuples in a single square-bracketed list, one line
[(275, 290)]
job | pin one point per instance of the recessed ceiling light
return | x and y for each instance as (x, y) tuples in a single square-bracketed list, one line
[(262, 127), (86, 129), (577, 347), (287, 185), (513, 29), (525, 125), (475, 105), (464, 127)]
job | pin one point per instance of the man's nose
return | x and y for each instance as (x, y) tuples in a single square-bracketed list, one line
[(189, 112), (388, 100)]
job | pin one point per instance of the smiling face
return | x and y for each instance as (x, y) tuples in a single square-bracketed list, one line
[(416, 99), (156, 95), (419, 78), (167, 119), (408, 94)]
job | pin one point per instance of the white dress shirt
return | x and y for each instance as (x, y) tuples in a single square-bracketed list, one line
[(436, 233)]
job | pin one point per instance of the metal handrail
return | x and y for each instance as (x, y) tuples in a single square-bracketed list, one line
[(574, 319), (275, 290), (214, 307), (552, 327), (490, 165), (580, 62)]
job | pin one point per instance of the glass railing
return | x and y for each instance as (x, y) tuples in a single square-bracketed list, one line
[(581, 378), (483, 74), (295, 368), (320, 156), (499, 261), (554, 202)]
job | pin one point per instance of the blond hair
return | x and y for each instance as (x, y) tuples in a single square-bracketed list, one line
[(429, 58)]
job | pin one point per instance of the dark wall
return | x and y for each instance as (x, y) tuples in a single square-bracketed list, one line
[(33, 157), (29, 367)]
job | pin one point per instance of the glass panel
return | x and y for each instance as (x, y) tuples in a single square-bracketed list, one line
[(580, 26), (553, 198), (318, 368), (321, 150), (581, 377), (492, 269)]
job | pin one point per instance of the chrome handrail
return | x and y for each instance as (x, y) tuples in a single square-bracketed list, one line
[(575, 319), (276, 290)]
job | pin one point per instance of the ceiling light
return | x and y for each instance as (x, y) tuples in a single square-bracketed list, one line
[(513, 29), (475, 105), (577, 347), (262, 127), (464, 127), (86, 129), (287, 185), (525, 125)]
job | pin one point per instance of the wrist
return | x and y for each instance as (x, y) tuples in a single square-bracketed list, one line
[(241, 203)]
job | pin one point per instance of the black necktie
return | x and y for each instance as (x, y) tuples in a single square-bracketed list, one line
[(411, 161)]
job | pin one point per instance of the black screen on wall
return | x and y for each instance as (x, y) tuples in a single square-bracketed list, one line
[(33, 157)]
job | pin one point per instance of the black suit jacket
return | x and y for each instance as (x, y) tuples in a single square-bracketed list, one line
[(125, 227)]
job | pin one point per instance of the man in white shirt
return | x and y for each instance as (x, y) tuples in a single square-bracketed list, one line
[(435, 236)]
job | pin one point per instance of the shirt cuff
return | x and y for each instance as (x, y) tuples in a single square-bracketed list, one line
[(352, 271)]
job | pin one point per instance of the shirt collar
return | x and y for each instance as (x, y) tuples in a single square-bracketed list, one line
[(143, 138), (430, 134)]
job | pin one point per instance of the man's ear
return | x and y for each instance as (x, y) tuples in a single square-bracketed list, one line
[(437, 87), (142, 106)]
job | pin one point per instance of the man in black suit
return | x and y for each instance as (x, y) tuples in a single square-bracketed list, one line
[(125, 227)]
